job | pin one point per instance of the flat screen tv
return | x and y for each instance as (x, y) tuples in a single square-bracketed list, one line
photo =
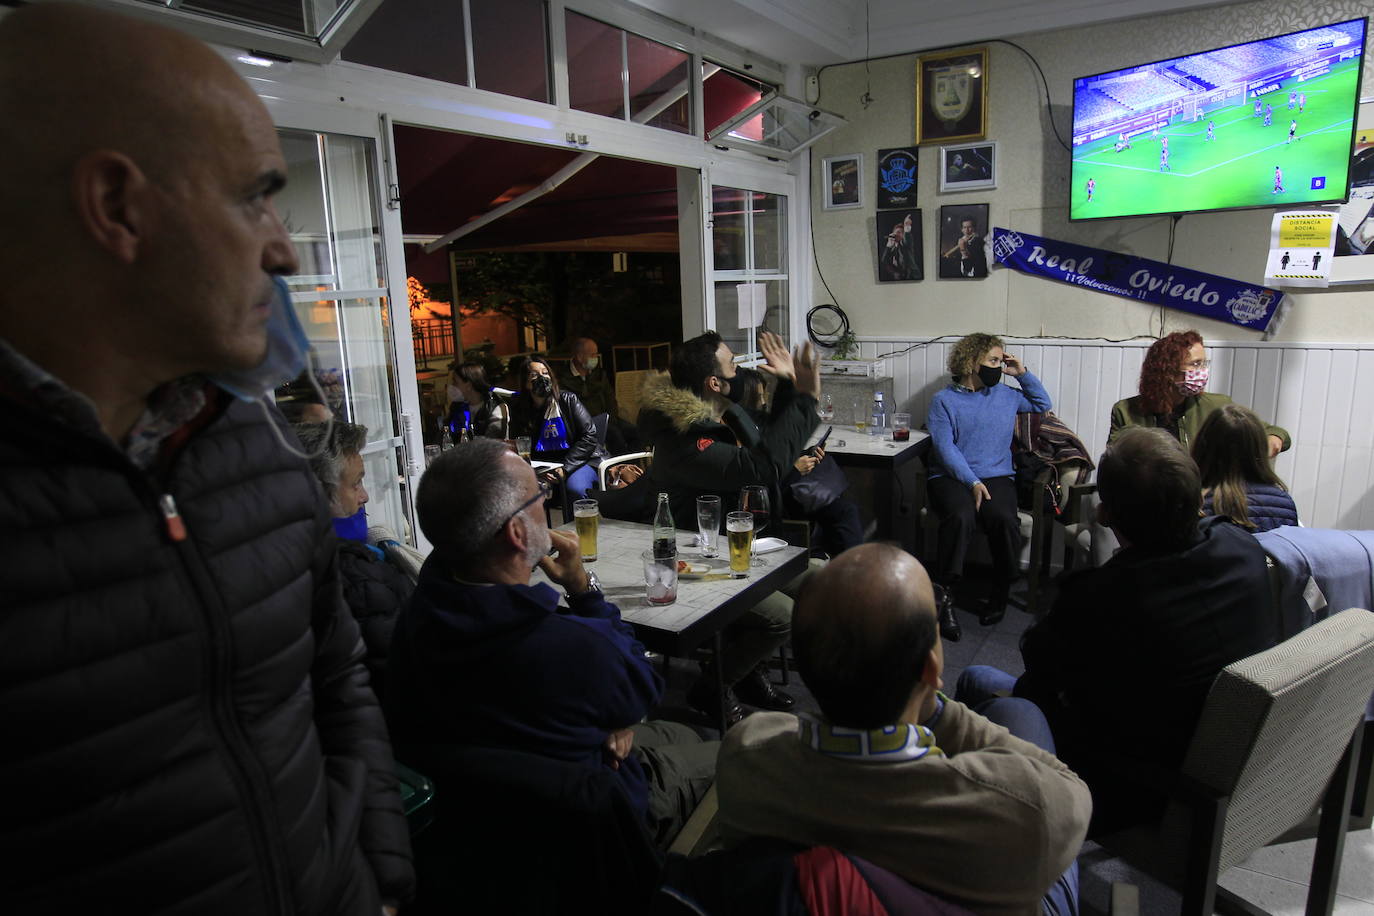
[(1267, 123)]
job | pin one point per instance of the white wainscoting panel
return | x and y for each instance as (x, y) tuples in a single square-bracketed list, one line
[(1323, 394)]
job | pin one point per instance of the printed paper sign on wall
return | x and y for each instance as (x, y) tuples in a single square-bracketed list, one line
[(1301, 246)]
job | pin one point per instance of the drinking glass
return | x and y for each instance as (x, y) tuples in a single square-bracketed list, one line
[(901, 427), (708, 524), (587, 518), (860, 416), (431, 452), (739, 536), (660, 578), (522, 447), (827, 410), (754, 500)]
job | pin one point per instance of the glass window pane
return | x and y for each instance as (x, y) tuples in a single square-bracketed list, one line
[(727, 236), (594, 66), (352, 344), (420, 37), (770, 232), (329, 208), (510, 47), (658, 84), (725, 94), (743, 340)]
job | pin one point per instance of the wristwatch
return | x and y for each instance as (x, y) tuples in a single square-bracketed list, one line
[(593, 585)]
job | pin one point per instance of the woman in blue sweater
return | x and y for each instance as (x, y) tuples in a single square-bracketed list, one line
[(971, 476)]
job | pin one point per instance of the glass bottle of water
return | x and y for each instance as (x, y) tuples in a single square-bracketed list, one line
[(665, 532)]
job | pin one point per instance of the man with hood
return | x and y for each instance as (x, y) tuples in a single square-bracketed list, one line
[(703, 444)]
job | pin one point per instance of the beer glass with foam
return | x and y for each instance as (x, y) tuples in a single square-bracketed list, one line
[(739, 534), (587, 517)]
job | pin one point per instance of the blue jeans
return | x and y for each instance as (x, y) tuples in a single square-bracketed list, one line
[(981, 688), (580, 481)]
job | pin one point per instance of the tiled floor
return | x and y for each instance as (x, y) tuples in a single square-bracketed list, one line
[(1274, 878)]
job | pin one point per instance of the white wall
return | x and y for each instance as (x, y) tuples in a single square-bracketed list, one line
[(1312, 390), (1032, 193)]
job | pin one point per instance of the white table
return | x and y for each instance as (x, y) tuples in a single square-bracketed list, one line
[(704, 605), (876, 453)]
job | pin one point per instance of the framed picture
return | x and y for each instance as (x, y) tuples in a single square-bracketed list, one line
[(952, 96), (842, 181), (969, 167), (897, 170), (963, 242), (901, 256)]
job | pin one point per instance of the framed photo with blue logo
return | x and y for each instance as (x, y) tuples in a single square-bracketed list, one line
[(897, 170), (952, 96), (842, 181), (968, 167)]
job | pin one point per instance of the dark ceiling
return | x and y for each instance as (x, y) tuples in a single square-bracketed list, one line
[(448, 179)]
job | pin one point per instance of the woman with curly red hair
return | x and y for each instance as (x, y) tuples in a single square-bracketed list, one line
[(1172, 396)]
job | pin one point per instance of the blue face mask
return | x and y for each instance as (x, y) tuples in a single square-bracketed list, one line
[(353, 527), (287, 347)]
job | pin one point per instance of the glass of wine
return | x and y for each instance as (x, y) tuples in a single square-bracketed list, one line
[(754, 500)]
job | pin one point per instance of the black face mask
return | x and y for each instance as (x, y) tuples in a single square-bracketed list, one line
[(990, 375), (541, 386), (732, 393)]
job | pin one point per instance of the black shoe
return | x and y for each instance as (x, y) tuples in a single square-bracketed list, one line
[(701, 696), (757, 690), (944, 613), (992, 615), (996, 607)]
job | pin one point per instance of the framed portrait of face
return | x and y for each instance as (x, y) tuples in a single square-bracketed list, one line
[(901, 256), (842, 181), (952, 96), (963, 242), (968, 167)]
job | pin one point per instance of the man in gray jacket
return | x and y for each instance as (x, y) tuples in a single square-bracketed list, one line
[(893, 770), (187, 724)]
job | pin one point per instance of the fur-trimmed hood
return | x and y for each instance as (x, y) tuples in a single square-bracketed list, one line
[(661, 403)]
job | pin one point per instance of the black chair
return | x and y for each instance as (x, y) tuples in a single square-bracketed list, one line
[(515, 832)]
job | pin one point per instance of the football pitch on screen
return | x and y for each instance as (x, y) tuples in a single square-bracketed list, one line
[(1236, 169)]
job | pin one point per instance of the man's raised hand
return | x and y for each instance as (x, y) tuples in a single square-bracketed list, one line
[(779, 361)]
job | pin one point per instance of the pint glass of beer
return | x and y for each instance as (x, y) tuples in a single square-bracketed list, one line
[(587, 517), (739, 532)]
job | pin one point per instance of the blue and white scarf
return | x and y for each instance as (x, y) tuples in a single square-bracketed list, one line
[(902, 741)]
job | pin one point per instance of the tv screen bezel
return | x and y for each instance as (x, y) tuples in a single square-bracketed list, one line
[(1354, 126)]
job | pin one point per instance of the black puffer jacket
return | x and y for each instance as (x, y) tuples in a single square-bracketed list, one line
[(528, 420), (375, 592), (186, 723)]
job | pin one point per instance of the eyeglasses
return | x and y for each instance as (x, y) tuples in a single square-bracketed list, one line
[(1198, 364), (545, 491)]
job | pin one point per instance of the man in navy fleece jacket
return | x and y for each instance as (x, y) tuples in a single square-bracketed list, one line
[(482, 658)]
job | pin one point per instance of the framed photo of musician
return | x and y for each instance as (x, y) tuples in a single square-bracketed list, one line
[(963, 234), (952, 96), (842, 181), (901, 256), (969, 167)]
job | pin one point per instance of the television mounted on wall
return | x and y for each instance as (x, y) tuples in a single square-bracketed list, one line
[(1265, 123)]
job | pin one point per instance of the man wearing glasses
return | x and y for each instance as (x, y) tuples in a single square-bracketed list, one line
[(481, 657)]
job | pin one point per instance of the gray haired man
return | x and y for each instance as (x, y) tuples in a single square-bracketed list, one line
[(481, 657)]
